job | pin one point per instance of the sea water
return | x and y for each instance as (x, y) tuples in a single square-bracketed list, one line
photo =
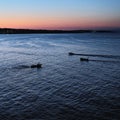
[(65, 88)]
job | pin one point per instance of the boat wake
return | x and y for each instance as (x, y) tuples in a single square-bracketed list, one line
[(96, 55), (111, 61), (31, 66)]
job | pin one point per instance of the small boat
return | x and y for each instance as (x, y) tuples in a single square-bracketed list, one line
[(70, 53), (84, 59), (36, 66)]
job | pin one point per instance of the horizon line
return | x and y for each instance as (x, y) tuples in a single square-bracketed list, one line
[(89, 29), (45, 31)]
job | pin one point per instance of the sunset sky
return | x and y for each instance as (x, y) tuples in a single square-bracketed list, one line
[(60, 14)]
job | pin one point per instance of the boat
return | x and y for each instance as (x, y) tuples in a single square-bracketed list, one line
[(84, 59), (36, 66), (70, 53)]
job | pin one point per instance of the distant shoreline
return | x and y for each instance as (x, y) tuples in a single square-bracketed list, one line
[(34, 31)]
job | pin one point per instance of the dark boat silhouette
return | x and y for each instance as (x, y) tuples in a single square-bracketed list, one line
[(70, 53), (84, 59), (36, 66)]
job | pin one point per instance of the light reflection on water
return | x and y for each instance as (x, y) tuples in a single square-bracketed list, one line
[(64, 88)]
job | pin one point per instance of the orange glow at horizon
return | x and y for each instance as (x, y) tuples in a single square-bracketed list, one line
[(56, 23)]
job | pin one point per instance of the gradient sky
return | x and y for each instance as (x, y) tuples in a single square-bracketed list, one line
[(60, 14)]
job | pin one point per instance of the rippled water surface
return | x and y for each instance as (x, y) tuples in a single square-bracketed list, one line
[(64, 88)]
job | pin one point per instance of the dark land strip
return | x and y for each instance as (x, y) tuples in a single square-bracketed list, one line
[(34, 31)]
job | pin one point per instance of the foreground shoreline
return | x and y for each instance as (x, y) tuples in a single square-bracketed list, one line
[(34, 31)]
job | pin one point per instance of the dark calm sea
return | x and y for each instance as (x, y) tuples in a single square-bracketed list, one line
[(65, 88)]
